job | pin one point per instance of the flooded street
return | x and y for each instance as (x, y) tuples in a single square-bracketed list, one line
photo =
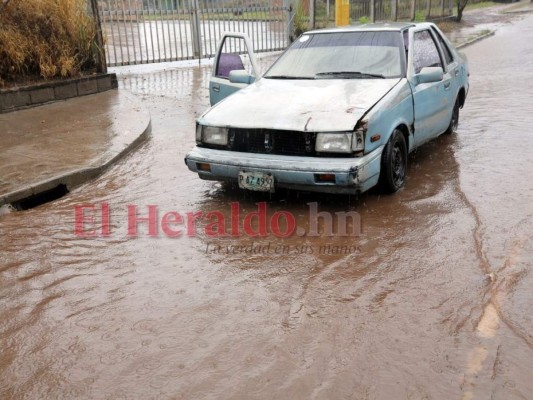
[(433, 300)]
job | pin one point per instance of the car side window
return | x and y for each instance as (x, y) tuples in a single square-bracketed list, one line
[(234, 56), (445, 49), (425, 53)]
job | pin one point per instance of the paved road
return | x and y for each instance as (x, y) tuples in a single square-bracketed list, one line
[(433, 302)]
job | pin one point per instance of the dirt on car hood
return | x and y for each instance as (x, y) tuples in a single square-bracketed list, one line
[(323, 105)]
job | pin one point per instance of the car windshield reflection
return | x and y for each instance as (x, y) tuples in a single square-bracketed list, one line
[(346, 55)]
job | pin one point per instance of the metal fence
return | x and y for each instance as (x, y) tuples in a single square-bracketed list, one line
[(383, 10), (150, 31)]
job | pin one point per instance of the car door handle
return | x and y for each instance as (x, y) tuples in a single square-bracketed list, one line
[(447, 85), (216, 88)]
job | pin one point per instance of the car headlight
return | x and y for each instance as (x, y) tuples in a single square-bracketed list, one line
[(211, 135), (339, 142), (198, 133)]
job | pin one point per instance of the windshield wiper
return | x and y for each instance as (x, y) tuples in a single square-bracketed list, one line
[(350, 74), (287, 77)]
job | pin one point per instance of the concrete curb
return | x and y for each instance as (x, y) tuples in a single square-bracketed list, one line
[(79, 176), (521, 11), (475, 40)]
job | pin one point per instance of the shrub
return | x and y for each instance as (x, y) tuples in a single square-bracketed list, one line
[(301, 20), (364, 20), (420, 16), (45, 38)]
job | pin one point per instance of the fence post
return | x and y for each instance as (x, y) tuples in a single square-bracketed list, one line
[(290, 21), (394, 10), (413, 10), (101, 65), (342, 12), (195, 29), (312, 13), (373, 10), (428, 8)]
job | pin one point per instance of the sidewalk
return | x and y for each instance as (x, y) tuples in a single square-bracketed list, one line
[(524, 6), (67, 143), (479, 23)]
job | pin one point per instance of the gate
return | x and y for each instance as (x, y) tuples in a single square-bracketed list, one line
[(152, 31)]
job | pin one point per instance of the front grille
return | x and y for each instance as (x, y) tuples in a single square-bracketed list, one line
[(250, 141), (269, 141)]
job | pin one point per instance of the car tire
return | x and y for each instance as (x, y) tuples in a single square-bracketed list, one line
[(393, 163), (454, 123)]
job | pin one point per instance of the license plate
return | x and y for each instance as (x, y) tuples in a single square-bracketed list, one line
[(258, 181)]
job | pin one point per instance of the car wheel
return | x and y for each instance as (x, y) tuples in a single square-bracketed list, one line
[(393, 163), (454, 123)]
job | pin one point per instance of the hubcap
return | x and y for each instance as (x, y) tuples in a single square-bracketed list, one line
[(455, 119), (398, 165)]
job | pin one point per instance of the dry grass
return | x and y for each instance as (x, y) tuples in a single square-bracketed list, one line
[(449, 25), (46, 38)]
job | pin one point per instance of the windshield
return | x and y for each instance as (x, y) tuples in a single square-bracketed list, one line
[(341, 55)]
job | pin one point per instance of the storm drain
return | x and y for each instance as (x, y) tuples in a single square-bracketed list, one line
[(41, 198)]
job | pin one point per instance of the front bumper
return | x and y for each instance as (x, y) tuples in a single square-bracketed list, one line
[(352, 175)]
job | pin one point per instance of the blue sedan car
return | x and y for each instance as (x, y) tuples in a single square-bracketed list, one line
[(338, 112)]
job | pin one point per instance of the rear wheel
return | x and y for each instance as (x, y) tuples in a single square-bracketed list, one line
[(454, 123), (393, 163)]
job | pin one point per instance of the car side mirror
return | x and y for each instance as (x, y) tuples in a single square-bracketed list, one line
[(240, 76), (430, 74)]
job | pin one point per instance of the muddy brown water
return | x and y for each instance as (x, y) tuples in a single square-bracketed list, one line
[(434, 302)]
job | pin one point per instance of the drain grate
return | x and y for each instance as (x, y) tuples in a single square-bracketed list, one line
[(41, 198)]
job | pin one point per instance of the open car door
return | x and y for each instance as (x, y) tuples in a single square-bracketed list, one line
[(235, 66)]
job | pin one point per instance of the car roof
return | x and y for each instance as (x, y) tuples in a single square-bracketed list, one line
[(379, 26)]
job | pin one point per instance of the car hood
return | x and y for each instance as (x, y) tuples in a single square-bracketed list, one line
[(322, 105)]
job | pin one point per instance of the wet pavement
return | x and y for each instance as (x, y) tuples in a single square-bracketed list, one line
[(478, 22), (431, 301), (66, 142)]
